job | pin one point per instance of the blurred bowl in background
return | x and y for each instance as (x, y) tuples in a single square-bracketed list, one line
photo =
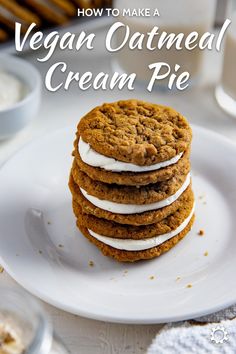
[(15, 117)]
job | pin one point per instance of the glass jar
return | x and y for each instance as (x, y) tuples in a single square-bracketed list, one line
[(24, 326), (182, 16), (226, 90)]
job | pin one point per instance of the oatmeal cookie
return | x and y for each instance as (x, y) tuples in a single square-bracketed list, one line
[(114, 230), (128, 194), (133, 256), (144, 218), (133, 178), (136, 132)]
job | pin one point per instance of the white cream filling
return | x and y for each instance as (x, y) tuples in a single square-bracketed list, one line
[(144, 244), (134, 208), (93, 158)]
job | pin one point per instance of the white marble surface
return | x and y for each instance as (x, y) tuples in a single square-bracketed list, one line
[(84, 336)]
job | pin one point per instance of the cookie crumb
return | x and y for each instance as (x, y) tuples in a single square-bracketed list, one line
[(91, 263), (206, 254), (1, 269), (178, 278), (189, 286), (125, 271), (60, 245), (40, 252), (49, 222), (201, 232), (151, 277)]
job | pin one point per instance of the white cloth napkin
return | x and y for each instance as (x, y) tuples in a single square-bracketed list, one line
[(214, 334)]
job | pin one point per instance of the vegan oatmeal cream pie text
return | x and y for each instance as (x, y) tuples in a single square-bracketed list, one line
[(131, 176)]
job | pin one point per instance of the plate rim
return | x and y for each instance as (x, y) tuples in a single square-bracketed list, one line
[(111, 318)]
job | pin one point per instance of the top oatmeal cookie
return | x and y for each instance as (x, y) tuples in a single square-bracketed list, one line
[(135, 131)]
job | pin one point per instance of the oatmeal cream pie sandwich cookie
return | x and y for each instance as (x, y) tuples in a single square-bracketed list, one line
[(131, 170), (132, 143)]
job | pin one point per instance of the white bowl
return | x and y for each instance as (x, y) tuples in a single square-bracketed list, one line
[(16, 117)]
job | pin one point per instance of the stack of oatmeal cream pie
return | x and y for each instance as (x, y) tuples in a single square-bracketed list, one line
[(130, 179)]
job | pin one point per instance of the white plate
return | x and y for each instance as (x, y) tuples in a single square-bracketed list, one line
[(36, 217)]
